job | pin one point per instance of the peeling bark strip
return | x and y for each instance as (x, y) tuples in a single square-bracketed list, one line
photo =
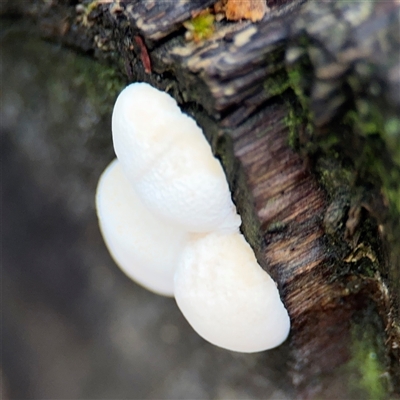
[(340, 60)]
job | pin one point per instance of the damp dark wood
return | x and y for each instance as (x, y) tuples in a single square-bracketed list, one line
[(256, 89)]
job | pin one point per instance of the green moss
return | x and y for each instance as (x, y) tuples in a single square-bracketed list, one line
[(299, 78), (366, 368), (295, 78), (202, 26), (365, 118), (100, 82), (380, 156), (293, 121), (377, 160), (97, 82), (300, 115), (276, 84), (296, 121)]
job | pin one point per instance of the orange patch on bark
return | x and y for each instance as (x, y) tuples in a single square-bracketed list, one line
[(245, 9)]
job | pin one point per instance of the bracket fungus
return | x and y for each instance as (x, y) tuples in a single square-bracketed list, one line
[(167, 217)]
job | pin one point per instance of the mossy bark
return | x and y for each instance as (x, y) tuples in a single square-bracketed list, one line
[(302, 109)]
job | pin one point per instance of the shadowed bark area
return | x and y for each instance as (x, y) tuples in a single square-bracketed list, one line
[(302, 109)]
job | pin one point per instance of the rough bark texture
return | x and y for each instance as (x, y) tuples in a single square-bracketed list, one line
[(302, 109)]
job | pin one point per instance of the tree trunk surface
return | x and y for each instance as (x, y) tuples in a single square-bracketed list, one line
[(303, 110)]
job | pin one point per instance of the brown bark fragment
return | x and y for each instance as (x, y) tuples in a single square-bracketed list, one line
[(253, 10)]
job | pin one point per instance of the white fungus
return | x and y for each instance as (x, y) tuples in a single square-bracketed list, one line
[(227, 297), (168, 160), (146, 248), (167, 217)]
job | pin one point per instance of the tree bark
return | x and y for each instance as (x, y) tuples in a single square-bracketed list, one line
[(302, 109)]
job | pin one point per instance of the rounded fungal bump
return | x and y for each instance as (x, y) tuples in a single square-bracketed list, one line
[(146, 248), (169, 161), (227, 297)]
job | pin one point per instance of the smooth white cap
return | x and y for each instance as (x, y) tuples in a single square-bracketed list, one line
[(146, 248), (227, 297), (170, 163)]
